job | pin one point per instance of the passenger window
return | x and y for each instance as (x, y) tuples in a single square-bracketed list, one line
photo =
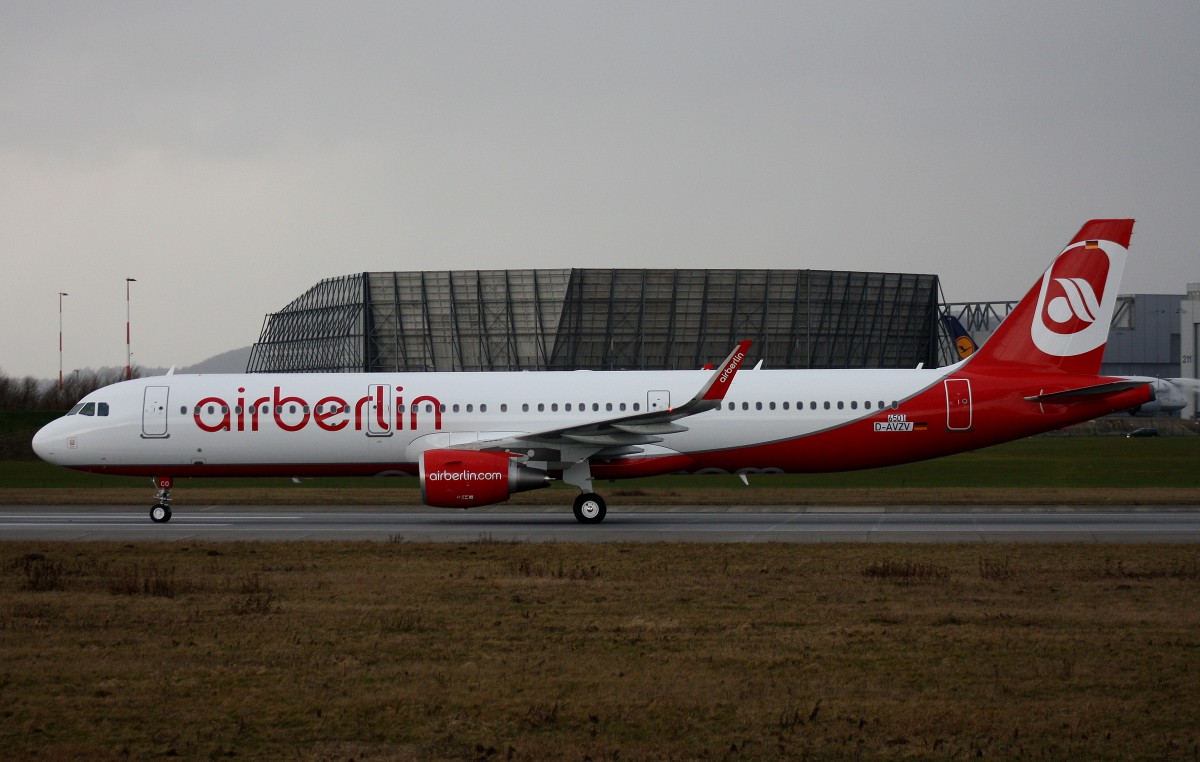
[(524, 407), (826, 404), (503, 407), (622, 407), (554, 407), (771, 405), (854, 404), (483, 408), (608, 406), (183, 409), (785, 406), (758, 406), (470, 408), (595, 407), (636, 407), (841, 405), (812, 405), (455, 407), (745, 406), (541, 407)]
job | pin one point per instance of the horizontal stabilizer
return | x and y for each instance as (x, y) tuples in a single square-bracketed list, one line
[(1086, 393)]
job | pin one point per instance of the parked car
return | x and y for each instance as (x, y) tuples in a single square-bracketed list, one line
[(1142, 433)]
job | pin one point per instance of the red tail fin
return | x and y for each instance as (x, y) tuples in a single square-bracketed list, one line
[(1062, 323)]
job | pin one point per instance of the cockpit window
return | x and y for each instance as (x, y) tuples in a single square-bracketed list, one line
[(89, 408)]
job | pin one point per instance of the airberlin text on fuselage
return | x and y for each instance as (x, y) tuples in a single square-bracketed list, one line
[(331, 413)]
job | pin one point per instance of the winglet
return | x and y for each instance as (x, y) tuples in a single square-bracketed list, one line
[(721, 379)]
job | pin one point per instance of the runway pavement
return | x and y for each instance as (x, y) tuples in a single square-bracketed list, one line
[(631, 524)]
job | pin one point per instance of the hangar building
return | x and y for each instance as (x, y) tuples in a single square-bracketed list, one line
[(1144, 340), (602, 319)]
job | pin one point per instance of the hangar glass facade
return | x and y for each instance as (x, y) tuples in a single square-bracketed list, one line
[(602, 319)]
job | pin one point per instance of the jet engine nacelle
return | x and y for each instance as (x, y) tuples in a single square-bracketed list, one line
[(466, 478)]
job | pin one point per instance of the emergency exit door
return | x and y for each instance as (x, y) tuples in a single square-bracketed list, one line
[(958, 404), (154, 412), (658, 401)]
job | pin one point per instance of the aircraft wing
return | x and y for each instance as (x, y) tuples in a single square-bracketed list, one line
[(622, 434)]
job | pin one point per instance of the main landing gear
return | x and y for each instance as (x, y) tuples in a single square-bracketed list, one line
[(160, 512), (589, 508)]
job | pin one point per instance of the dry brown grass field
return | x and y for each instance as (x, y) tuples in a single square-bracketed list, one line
[(497, 651)]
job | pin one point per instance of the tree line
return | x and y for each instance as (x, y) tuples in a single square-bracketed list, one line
[(31, 394)]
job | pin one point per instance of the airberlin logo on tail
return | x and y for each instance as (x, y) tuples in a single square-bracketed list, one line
[(1077, 298), (1078, 302)]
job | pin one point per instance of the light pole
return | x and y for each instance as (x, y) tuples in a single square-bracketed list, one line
[(128, 349), (61, 294)]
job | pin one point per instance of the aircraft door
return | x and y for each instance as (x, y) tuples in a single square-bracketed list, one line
[(958, 404), (154, 412), (378, 410), (658, 401)]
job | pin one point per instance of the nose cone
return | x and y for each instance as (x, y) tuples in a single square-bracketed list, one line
[(43, 443)]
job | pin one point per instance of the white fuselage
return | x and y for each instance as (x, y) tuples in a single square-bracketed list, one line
[(313, 420)]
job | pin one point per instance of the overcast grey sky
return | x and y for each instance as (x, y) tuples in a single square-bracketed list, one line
[(229, 155)]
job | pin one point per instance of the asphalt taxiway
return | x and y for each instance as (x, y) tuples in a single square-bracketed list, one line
[(630, 524)]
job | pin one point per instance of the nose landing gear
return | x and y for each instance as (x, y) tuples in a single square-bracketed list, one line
[(160, 512)]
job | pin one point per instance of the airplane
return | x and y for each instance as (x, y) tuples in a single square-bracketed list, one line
[(1170, 395), (964, 345), (474, 439)]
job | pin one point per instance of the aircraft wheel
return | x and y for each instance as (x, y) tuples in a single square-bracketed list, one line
[(589, 508), (160, 514)]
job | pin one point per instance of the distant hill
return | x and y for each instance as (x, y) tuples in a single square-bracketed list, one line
[(233, 361)]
